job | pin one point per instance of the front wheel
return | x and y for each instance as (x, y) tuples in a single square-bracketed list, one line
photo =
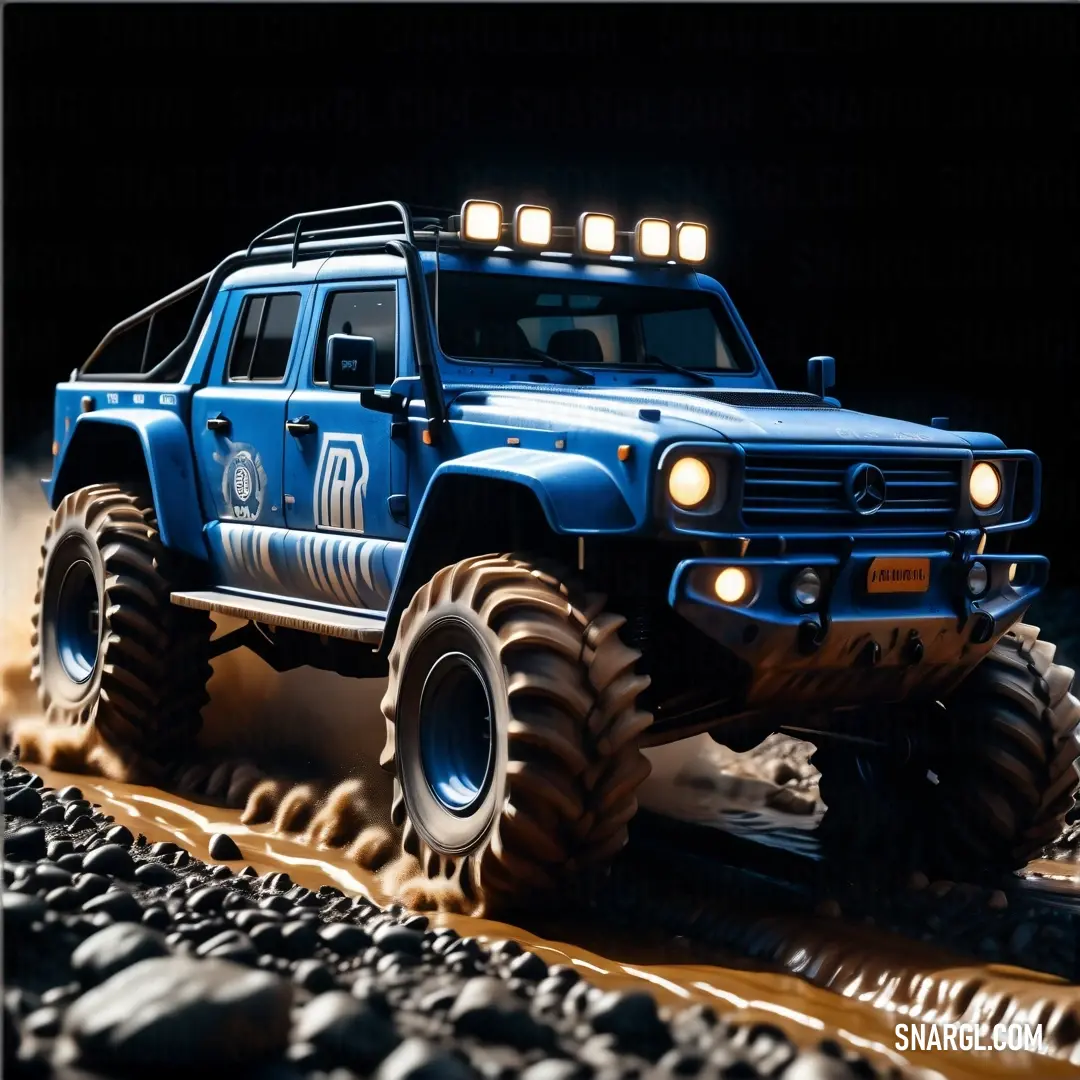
[(110, 650), (512, 732), (989, 779)]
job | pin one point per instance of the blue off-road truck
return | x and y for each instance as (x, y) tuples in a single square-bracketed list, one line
[(540, 478)]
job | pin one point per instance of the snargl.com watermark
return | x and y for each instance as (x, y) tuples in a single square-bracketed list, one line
[(999, 1037)]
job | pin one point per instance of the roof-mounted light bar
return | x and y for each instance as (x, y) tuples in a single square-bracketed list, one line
[(481, 221), (532, 227), (595, 236), (652, 239)]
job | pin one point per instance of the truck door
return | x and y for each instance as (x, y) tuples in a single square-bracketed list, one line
[(340, 464), (238, 418)]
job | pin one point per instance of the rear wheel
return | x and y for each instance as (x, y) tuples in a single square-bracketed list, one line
[(512, 731), (989, 780), (109, 648)]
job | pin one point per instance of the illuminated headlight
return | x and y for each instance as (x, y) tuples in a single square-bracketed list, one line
[(806, 588), (532, 226), (732, 585), (689, 482), (652, 239), (481, 222), (984, 486), (978, 579), (596, 234), (691, 241)]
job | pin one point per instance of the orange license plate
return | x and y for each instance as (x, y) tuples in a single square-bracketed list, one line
[(898, 576)]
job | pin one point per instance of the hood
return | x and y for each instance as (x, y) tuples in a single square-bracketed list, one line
[(743, 416)]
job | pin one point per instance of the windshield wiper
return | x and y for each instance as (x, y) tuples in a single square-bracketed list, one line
[(550, 361), (667, 365)]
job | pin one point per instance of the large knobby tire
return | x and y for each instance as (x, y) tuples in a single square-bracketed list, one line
[(512, 647), (989, 780), (110, 650)]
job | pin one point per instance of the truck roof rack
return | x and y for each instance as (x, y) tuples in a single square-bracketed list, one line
[(364, 227)]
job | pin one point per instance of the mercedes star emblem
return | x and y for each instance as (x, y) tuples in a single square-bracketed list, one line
[(865, 487)]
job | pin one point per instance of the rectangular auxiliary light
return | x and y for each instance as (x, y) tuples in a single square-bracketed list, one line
[(652, 239), (596, 234), (532, 226), (481, 222), (691, 241)]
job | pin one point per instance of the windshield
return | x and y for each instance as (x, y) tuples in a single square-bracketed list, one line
[(511, 318)]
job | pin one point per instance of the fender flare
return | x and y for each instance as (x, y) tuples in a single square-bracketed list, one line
[(574, 492), (169, 464)]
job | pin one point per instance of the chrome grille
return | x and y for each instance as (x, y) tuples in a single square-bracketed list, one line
[(810, 489)]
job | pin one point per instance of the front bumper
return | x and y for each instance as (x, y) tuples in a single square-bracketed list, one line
[(856, 647)]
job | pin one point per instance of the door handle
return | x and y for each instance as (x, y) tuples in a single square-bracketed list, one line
[(218, 423), (300, 426)]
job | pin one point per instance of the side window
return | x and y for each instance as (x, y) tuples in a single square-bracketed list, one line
[(366, 313), (264, 336), (689, 337)]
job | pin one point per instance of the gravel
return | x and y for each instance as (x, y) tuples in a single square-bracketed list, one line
[(124, 958)]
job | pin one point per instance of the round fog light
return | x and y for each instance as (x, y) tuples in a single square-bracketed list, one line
[(806, 588), (978, 579), (732, 585)]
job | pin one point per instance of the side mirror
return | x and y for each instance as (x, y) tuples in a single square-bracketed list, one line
[(821, 374), (350, 362)]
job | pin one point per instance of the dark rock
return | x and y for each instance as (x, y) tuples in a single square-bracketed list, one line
[(330, 892), (157, 918), (249, 918), (816, 1066), (314, 976), (90, 885), (298, 938), (208, 898), (182, 1013), (48, 876), (25, 844), (64, 898), (152, 874), (22, 802), (72, 861), (344, 938), (417, 1059), (70, 794), (79, 822), (267, 938), (398, 939), (528, 966), (275, 903), (119, 834), (122, 906), (220, 873), (629, 1016), (346, 1030), (76, 808), (110, 859), (43, 1023), (163, 847), (507, 948), (487, 1010), (51, 814), (111, 950), (277, 882), (181, 859), (20, 910), (57, 848)]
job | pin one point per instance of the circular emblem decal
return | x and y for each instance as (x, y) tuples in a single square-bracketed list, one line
[(865, 488), (243, 485)]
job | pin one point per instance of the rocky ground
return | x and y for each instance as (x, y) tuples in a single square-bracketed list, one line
[(123, 958)]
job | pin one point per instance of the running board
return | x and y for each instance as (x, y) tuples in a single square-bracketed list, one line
[(312, 620)]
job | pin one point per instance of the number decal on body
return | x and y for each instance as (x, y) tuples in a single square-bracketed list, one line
[(341, 483)]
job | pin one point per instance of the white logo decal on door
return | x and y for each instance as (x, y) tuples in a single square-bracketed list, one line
[(341, 483)]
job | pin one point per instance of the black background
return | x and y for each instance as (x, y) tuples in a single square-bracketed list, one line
[(893, 186)]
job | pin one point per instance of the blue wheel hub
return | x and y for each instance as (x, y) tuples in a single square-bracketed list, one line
[(457, 725), (78, 621)]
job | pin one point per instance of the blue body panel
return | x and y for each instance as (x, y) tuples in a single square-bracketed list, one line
[(157, 419)]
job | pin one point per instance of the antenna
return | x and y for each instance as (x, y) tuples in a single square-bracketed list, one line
[(438, 340)]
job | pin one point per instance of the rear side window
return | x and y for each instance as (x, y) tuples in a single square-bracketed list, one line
[(264, 337), (366, 313)]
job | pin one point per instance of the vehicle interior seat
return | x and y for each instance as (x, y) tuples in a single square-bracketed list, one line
[(575, 347)]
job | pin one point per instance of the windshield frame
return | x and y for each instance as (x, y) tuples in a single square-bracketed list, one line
[(732, 331)]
